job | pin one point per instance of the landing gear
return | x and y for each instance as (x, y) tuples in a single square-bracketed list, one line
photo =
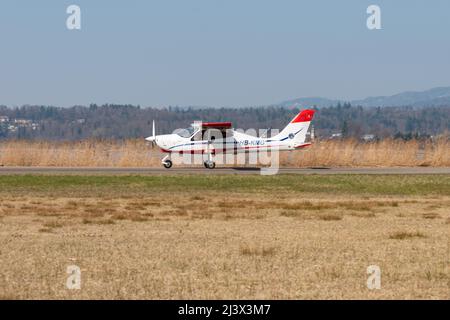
[(209, 164), (166, 162)]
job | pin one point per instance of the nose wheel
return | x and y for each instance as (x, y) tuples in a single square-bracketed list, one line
[(166, 162)]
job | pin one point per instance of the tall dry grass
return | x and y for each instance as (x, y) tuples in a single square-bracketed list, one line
[(384, 153), (89, 153), (136, 153)]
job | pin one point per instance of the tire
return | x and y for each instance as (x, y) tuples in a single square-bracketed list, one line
[(210, 164), (167, 164)]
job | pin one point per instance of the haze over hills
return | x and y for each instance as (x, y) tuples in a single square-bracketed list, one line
[(405, 114), (433, 97)]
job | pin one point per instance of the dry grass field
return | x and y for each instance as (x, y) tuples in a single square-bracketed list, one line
[(225, 237), (136, 153)]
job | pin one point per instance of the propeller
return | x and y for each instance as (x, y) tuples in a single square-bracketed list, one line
[(153, 131), (152, 139)]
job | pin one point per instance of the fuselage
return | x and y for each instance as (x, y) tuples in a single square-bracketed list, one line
[(236, 143), (217, 137)]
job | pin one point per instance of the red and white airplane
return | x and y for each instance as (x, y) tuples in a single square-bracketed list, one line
[(210, 138)]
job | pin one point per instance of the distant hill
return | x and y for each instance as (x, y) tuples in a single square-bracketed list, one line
[(434, 97), (403, 115)]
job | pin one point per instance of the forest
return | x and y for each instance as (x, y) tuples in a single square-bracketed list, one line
[(112, 121)]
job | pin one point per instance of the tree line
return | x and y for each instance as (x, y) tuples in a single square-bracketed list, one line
[(111, 121)]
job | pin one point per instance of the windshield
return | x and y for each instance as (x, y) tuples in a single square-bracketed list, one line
[(185, 133)]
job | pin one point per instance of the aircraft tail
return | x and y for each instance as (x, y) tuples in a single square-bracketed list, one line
[(296, 129)]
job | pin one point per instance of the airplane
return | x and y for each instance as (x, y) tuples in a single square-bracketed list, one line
[(207, 138)]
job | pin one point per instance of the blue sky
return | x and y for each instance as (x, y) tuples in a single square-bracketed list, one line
[(218, 53)]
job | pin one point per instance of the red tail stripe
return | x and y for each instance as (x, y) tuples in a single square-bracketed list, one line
[(304, 116)]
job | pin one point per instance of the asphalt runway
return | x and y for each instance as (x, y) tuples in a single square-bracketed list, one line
[(217, 171)]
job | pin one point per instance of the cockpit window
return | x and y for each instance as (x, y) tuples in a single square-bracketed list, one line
[(185, 133), (197, 136)]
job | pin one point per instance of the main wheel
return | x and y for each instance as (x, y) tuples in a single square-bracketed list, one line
[(167, 164), (210, 164)]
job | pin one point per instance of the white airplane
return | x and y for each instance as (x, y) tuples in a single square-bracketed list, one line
[(210, 138)]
